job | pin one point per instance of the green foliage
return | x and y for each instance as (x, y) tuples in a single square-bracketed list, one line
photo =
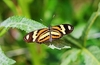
[(83, 51), (89, 59), (71, 58), (95, 51), (22, 23), (4, 60)]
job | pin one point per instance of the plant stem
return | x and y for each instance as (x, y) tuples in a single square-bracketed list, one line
[(88, 27), (74, 41)]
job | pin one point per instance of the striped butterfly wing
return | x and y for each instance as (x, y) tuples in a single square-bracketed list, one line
[(48, 34), (34, 36), (64, 28), (60, 30)]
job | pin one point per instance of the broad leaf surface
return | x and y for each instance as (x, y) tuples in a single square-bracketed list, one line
[(22, 23), (4, 60)]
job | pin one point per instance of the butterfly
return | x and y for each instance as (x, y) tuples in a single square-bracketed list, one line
[(48, 34)]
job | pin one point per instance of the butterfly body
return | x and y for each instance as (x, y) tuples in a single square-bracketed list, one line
[(48, 34)]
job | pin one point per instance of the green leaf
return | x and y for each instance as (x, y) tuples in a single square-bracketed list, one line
[(4, 60), (89, 59), (72, 57), (22, 23), (95, 51)]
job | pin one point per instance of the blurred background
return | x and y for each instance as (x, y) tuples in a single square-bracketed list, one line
[(47, 12)]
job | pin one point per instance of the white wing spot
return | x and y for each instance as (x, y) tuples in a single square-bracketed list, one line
[(27, 37), (69, 27)]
